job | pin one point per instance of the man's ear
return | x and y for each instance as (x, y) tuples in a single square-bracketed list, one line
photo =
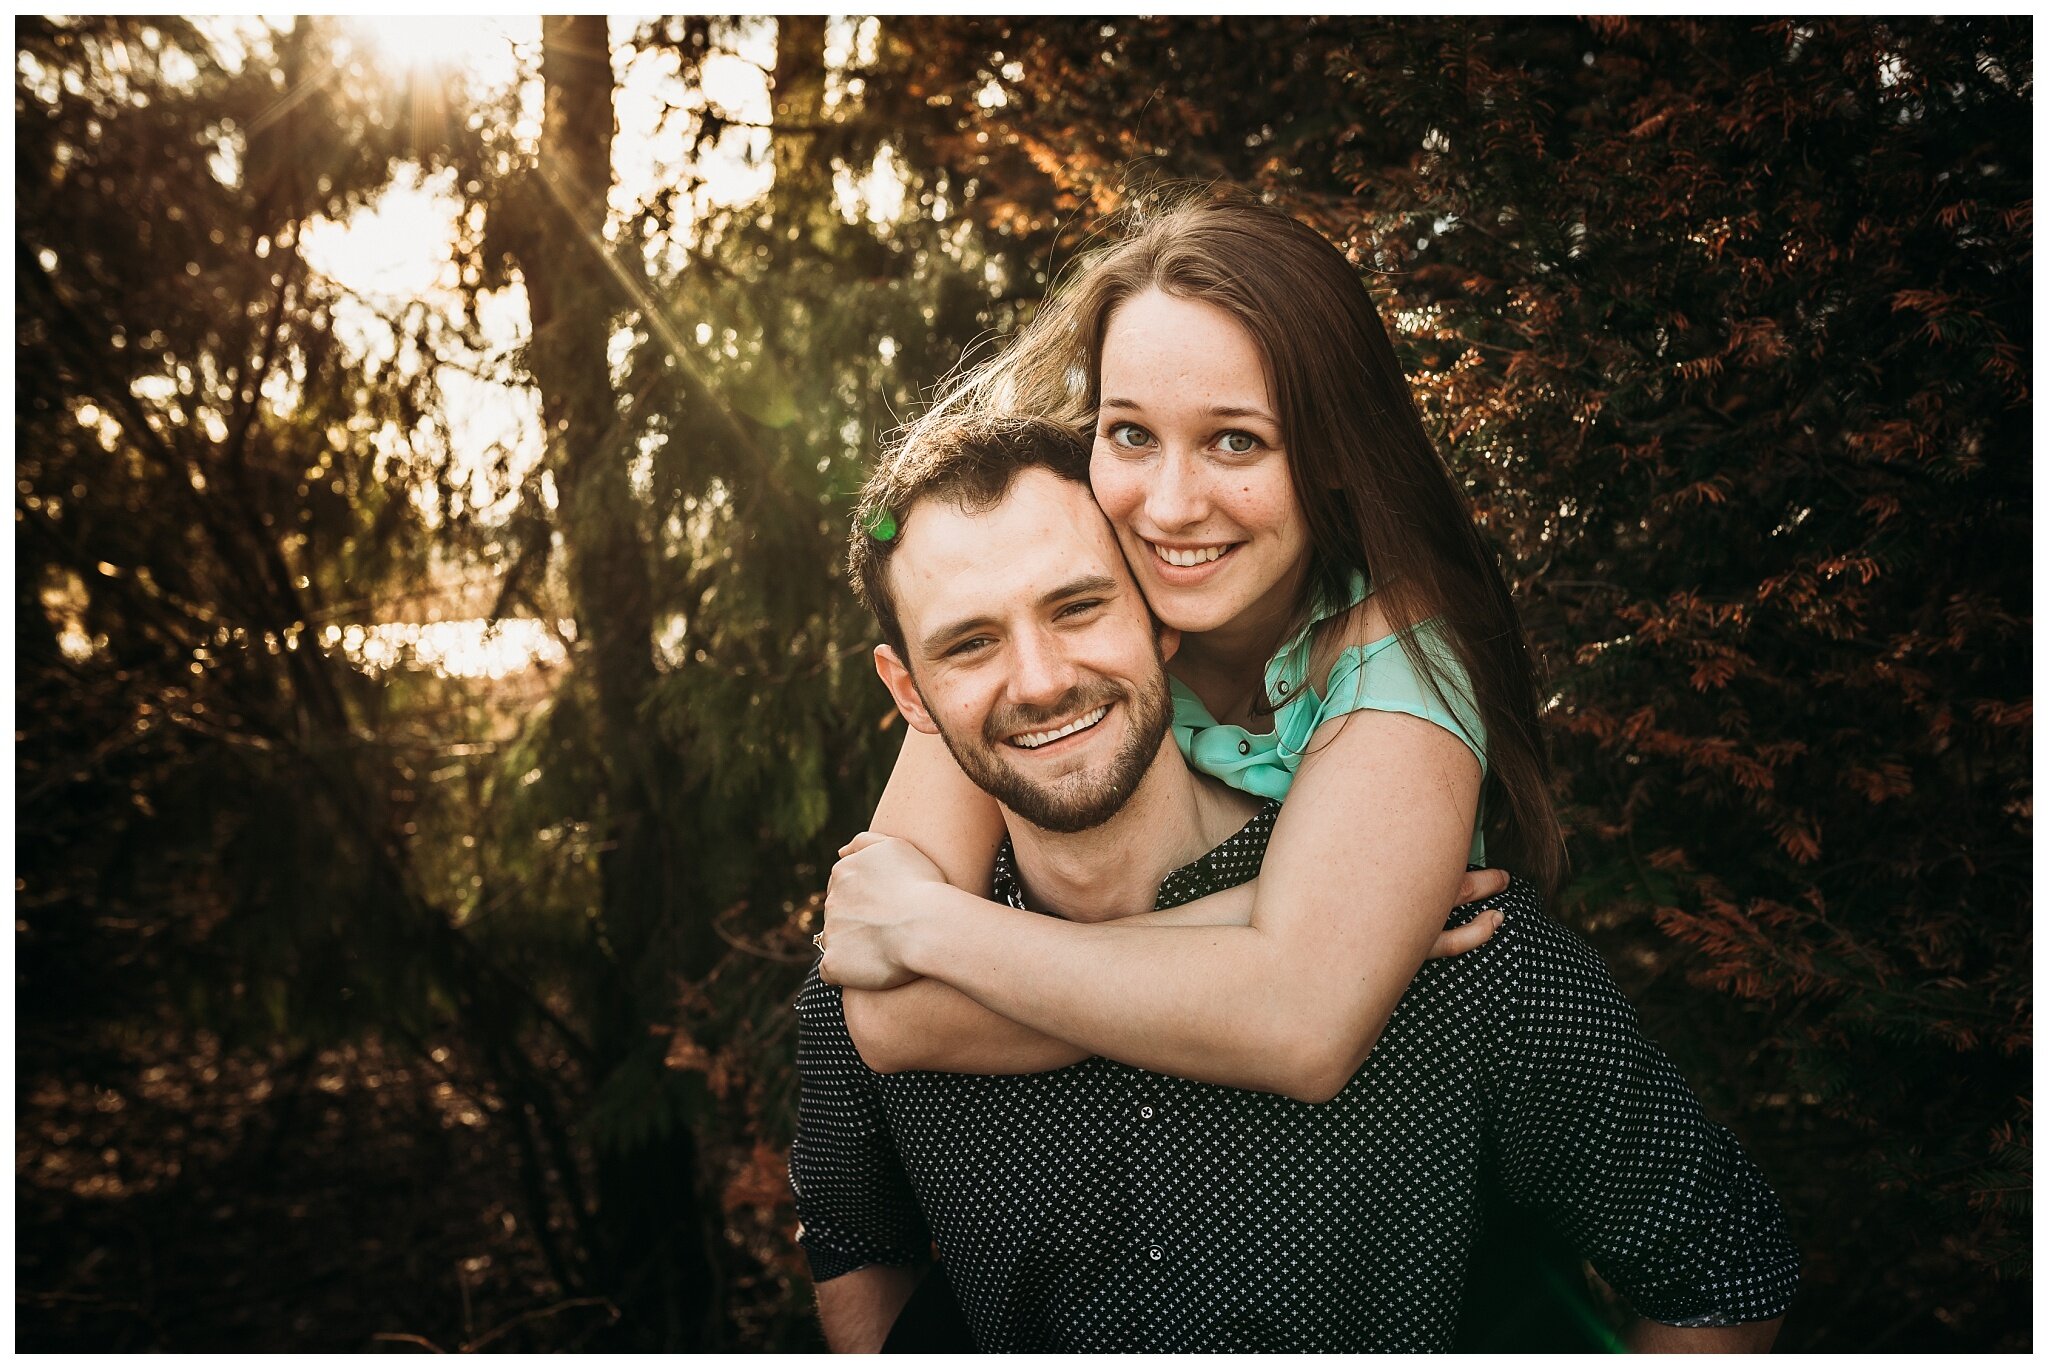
[(1169, 639), (903, 689)]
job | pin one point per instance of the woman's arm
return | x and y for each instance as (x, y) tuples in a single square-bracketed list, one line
[(929, 1025), (931, 805), (1364, 859), (925, 1024)]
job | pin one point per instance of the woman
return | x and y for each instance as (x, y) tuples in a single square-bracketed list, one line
[(1347, 643)]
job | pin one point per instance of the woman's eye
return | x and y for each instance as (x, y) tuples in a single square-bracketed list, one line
[(1127, 435), (1239, 444)]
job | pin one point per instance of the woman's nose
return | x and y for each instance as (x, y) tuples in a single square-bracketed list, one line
[(1176, 498)]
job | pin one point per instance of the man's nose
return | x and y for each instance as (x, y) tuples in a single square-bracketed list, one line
[(1176, 497), (1041, 672)]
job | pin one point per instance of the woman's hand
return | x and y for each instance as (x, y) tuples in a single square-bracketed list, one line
[(1477, 885), (877, 887)]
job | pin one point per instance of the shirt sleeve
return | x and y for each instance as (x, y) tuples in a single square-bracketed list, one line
[(1599, 1132), (854, 1202)]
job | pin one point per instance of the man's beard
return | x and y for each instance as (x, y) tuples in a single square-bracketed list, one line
[(1075, 802)]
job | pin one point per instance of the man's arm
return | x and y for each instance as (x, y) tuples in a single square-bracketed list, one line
[(1747, 1338), (858, 1309), (861, 1228), (1596, 1130)]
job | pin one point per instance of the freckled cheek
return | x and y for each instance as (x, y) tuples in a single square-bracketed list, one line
[(1274, 509), (1115, 491), (971, 711)]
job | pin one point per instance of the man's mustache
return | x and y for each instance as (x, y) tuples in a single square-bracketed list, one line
[(1007, 722)]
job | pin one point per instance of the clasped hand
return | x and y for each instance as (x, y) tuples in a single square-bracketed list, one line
[(875, 892)]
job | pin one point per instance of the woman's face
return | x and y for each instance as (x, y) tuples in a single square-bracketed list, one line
[(1190, 467)]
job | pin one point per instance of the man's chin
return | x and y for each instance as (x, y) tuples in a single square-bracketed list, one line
[(1083, 799), (1082, 803), (1066, 821)]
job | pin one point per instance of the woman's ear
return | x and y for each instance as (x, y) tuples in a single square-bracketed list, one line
[(903, 689), (1169, 639)]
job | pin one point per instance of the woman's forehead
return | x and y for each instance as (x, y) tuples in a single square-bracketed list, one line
[(1162, 348)]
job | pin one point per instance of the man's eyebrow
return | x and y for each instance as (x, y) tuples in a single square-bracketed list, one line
[(935, 640), (1214, 410)]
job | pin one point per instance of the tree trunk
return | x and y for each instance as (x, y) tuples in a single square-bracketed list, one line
[(650, 1220), (803, 179)]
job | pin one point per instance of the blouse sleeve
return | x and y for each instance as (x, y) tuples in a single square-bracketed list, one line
[(1381, 676)]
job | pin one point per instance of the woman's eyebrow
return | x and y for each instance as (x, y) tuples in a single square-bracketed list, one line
[(1213, 411)]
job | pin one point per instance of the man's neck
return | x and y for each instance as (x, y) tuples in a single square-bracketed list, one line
[(1175, 816)]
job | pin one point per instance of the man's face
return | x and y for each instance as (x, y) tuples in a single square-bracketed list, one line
[(1030, 651)]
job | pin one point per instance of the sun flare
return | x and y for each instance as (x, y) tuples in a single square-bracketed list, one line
[(441, 42)]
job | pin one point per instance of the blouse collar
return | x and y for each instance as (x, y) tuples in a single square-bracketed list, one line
[(1287, 673)]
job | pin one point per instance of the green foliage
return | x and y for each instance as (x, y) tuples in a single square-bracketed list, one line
[(204, 479)]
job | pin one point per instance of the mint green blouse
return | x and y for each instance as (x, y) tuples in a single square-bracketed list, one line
[(1376, 676)]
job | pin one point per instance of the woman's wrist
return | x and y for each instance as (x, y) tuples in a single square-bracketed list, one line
[(918, 941)]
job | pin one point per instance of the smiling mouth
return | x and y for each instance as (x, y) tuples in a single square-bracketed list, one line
[(1031, 741), (1186, 557)]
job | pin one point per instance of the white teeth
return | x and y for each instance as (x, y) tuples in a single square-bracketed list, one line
[(1191, 556), (1031, 740)]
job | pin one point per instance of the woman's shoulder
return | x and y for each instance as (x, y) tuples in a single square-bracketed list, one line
[(1381, 658), (1362, 631)]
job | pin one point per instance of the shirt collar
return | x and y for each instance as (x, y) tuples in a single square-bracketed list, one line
[(1234, 862)]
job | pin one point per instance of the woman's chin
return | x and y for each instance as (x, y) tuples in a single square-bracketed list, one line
[(1188, 611)]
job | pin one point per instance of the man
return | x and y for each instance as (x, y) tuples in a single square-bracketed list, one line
[(1102, 1207)]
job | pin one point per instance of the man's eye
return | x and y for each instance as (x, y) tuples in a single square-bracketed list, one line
[(1239, 444), (1127, 435), (1080, 606), (970, 645)]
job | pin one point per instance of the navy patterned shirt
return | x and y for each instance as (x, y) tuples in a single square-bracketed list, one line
[(1106, 1208)]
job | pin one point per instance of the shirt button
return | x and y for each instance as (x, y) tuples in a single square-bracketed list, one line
[(1156, 1253), (1283, 686), (1244, 748), (1146, 1112)]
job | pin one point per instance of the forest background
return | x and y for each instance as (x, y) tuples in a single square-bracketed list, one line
[(437, 701)]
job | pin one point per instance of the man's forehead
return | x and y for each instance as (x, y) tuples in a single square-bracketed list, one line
[(1043, 525)]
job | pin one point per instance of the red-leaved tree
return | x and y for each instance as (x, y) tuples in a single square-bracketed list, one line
[(1724, 324)]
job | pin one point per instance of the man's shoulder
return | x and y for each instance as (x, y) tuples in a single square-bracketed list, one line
[(1553, 994), (1533, 965), (823, 1041), (1232, 862), (1529, 941), (1541, 953)]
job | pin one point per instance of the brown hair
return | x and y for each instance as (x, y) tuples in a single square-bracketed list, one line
[(969, 462), (1394, 512)]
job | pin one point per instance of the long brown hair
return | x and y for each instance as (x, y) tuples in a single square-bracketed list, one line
[(1393, 512)]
